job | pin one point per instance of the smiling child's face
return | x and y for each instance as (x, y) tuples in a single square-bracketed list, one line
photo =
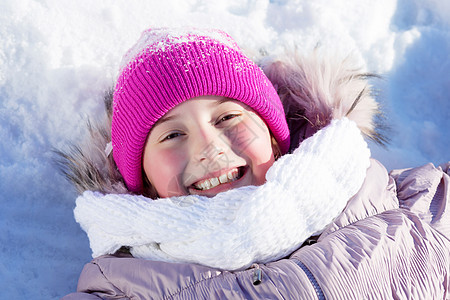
[(205, 146)]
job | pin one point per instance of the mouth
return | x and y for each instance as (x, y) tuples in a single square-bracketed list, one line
[(224, 178)]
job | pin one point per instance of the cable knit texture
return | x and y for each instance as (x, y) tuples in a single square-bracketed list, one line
[(167, 67), (304, 192)]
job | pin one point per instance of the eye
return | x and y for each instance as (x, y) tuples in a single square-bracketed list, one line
[(171, 136), (227, 117)]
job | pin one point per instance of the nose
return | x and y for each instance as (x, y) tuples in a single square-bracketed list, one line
[(211, 153), (209, 145)]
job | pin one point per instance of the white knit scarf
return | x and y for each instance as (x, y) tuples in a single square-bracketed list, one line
[(304, 192)]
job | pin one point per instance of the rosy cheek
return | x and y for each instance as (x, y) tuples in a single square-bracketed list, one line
[(251, 136), (258, 149), (240, 137), (164, 172)]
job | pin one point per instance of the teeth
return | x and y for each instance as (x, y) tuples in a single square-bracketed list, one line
[(215, 181), (207, 184), (223, 178)]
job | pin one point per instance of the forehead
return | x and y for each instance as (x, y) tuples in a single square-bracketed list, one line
[(200, 104)]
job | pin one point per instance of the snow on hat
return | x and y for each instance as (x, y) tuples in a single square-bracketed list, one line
[(169, 66)]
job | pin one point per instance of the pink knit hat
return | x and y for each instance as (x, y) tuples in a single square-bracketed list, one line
[(169, 66)]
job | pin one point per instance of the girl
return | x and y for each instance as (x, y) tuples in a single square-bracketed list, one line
[(211, 183)]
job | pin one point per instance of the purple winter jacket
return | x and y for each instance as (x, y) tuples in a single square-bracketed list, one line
[(390, 242)]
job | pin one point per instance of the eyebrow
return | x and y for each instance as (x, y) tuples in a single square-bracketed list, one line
[(165, 119), (221, 101)]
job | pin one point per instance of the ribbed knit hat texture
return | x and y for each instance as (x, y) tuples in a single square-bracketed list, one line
[(169, 66)]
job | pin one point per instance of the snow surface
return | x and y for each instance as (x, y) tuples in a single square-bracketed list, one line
[(57, 58)]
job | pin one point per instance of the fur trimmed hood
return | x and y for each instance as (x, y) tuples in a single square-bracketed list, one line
[(313, 89)]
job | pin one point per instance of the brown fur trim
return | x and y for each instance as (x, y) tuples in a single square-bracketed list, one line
[(87, 165), (315, 89)]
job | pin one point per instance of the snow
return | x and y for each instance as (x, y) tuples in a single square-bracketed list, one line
[(57, 58)]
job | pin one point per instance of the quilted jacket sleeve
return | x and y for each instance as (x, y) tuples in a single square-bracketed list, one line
[(425, 191), (393, 255), (93, 284)]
